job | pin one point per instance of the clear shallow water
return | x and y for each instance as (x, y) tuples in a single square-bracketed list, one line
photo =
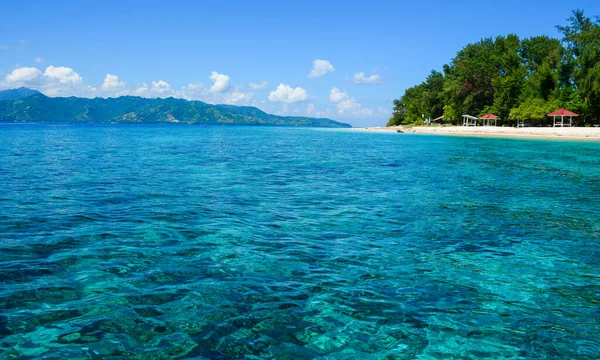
[(161, 242)]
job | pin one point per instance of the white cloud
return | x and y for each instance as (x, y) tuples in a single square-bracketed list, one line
[(195, 92), (112, 84), (258, 86), (23, 76), (222, 82), (39, 60), (287, 94), (320, 68), (351, 106), (361, 78), (198, 92), (55, 81), (3, 47), (347, 105), (161, 88), (64, 81), (63, 74), (335, 96), (310, 109), (141, 90), (239, 97)]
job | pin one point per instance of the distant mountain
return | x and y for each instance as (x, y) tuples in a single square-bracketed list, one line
[(132, 109), (17, 94)]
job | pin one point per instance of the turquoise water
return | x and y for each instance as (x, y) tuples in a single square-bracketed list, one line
[(158, 242)]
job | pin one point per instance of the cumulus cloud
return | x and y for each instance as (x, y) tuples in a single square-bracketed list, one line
[(352, 107), (197, 91), (141, 90), (237, 97), (288, 95), (54, 81), (23, 76), (361, 78), (310, 109), (258, 86), (112, 84), (63, 74), (161, 88), (320, 68), (335, 96), (221, 84), (347, 105), (39, 60), (64, 81)]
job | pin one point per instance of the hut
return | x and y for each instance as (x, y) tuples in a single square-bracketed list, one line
[(487, 119), (562, 113), (469, 120)]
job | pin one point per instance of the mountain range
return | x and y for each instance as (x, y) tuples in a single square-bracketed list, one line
[(26, 105)]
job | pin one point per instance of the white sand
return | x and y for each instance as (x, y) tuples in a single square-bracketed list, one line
[(581, 133)]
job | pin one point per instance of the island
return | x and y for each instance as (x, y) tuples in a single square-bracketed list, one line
[(26, 105)]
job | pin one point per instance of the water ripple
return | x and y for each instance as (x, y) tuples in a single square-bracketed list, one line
[(160, 242)]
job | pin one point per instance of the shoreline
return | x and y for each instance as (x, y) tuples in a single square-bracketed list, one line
[(546, 133)]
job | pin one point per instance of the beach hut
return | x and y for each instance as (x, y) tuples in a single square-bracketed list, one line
[(562, 113), (438, 119), (469, 120), (487, 119)]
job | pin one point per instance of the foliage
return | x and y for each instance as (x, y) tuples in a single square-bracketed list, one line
[(516, 79), (582, 37), (534, 109)]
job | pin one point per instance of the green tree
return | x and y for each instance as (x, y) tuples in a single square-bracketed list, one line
[(419, 102), (534, 109), (542, 60), (582, 37), (510, 74)]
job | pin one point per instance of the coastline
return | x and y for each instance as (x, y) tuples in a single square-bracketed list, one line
[(566, 133)]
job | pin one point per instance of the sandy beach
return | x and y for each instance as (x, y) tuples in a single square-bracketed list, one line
[(574, 133)]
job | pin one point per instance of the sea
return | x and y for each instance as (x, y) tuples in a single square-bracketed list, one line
[(234, 242)]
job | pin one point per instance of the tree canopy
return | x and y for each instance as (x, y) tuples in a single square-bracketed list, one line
[(516, 79)]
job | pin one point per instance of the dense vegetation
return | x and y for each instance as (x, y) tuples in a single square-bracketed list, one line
[(24, 105), (516, 79)]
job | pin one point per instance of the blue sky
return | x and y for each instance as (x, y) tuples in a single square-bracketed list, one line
[(256, 52)]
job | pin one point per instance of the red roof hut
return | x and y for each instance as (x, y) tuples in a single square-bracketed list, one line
[(487, 119), (562, 113)]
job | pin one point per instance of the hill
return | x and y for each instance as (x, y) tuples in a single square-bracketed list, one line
[(36, 107), (17, 94)]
